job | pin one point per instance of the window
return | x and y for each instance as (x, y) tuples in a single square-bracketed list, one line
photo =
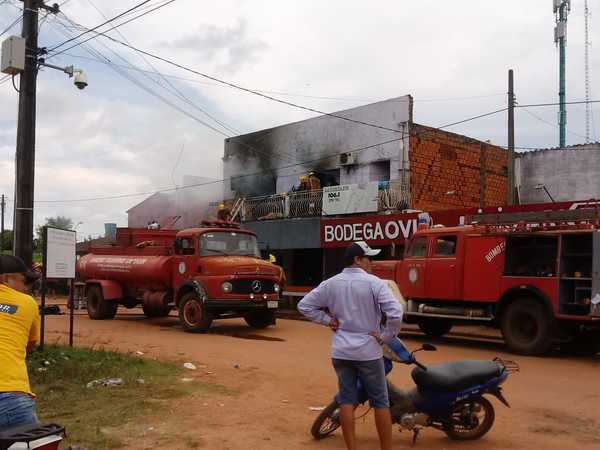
[(445, 246), (184, 246), (418, 247), (228, 243)]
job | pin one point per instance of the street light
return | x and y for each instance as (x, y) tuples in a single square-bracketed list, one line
[(542, 186)]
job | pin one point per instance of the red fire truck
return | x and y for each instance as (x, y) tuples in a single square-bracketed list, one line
[(207, 273), (534, 275)]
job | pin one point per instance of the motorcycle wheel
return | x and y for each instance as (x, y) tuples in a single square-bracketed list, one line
[(326, 422), (470, 419)]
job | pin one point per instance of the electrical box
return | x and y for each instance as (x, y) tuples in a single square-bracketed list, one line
[(13, 55)]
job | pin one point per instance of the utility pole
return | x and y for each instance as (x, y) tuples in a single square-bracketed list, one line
[(2, 204), (25, 158), (25, 154), (511, 141), (561, 9)]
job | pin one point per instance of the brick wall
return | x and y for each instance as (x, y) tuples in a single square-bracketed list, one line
[(442, 162)]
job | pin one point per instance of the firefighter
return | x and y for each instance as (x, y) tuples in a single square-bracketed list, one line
[(313, 181), (304, 183), (223, 212)]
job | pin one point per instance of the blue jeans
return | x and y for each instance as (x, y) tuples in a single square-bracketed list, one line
[(16, 409), (372, 382)]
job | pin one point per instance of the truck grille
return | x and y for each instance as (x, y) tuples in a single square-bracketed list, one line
[(253, 286)]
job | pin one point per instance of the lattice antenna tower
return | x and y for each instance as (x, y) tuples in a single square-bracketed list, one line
[(588, 94), (561, 10)]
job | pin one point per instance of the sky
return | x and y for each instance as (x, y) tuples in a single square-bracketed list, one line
[(132, 132)]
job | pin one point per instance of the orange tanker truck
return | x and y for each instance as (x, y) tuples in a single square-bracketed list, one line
[(207, 273)]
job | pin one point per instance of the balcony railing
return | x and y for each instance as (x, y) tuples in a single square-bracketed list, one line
[(308, 204)]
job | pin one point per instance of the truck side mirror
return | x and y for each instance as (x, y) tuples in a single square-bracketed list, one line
[(177, 245)]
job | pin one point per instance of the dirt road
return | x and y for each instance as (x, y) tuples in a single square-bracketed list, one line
[(277, 374)]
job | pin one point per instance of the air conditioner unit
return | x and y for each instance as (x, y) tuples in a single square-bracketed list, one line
[(347, 159)]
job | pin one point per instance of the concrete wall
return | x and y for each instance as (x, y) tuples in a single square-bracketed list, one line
[(472, 171), (572, 173), (284, 153), (287, 234)]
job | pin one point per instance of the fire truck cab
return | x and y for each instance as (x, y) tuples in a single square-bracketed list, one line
[(538, 281)]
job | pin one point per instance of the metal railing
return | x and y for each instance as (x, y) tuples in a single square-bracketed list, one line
[(309, 204)]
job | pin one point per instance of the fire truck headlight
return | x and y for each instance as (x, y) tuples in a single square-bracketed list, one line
[(227, 287), (276, 287)]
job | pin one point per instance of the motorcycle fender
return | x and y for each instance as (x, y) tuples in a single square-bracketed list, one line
[(497, 392)]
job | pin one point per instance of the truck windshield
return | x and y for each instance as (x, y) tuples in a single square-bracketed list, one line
[(228, 243)]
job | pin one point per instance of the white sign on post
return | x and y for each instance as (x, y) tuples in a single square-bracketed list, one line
[(60, 253), (350, 198)]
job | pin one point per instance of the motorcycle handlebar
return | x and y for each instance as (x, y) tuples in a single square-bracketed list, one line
[(420, 366)]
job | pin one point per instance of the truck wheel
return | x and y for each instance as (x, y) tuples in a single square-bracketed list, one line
[(156, 311), (97, 307), (260, 319), (194, 317), (527, 327), (435, 327)]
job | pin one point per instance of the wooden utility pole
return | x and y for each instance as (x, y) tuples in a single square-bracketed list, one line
[(511, 141), (25, 156)]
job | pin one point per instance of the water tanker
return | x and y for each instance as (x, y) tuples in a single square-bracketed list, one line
[(205, 273)]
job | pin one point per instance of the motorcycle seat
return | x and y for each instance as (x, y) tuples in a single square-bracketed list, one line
[(455, 376)]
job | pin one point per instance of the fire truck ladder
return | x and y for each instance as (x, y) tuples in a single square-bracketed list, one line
[(237, 209), (585, 219)]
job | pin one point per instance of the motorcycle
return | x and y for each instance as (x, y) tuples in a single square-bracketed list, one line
[(448, 397), (33, 436)]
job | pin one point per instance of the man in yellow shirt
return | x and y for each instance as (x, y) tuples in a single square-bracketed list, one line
[(19, 333)]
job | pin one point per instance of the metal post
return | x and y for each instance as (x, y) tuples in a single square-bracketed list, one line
[(511, 140), (562, 115), (44, 285), (25, 155), (71, 308)]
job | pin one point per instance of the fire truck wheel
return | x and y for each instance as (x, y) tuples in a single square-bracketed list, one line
[(527, 327), (97, 307), (260, 319), (193, 316), (435, 327), (156, 311)]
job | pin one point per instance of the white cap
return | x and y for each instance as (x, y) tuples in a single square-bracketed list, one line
[(360, 248)]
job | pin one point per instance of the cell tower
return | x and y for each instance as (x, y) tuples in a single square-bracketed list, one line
[(561, 10), (588, 105)]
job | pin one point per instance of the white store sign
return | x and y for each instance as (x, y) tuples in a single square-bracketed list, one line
[(350, 198), (60, 253)]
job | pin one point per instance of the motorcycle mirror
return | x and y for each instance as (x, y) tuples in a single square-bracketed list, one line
[(429, 347)]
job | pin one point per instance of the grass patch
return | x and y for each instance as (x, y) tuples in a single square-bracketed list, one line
[(92, 416)]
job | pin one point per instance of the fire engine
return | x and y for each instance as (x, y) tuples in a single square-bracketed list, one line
[(534, 275), (207, 273)]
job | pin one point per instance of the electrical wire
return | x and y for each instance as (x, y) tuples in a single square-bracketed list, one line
[(91, 30), (178, 92), (537, 105), (17, 20), (99, 26), (304, 163), (233, 85), (553, 125)]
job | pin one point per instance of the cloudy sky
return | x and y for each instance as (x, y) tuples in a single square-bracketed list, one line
[(132, 132)]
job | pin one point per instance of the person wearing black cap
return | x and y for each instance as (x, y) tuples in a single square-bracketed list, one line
[(355, 302), (19, 333)]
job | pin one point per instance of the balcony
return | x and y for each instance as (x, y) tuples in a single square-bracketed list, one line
[(390, 197)]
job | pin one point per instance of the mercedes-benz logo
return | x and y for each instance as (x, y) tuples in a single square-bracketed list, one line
[(256, 286)]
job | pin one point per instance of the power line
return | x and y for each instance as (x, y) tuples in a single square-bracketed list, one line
[(175, 89), (536, 105), (101, 25), (106, 31), (17, 20), (303, 163), (553, 125), (233, 85)]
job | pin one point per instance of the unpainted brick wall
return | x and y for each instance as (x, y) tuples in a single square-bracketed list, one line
[(442, 162)]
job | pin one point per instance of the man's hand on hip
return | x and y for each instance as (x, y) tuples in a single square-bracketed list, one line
[(377, 337), (334, 324)]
